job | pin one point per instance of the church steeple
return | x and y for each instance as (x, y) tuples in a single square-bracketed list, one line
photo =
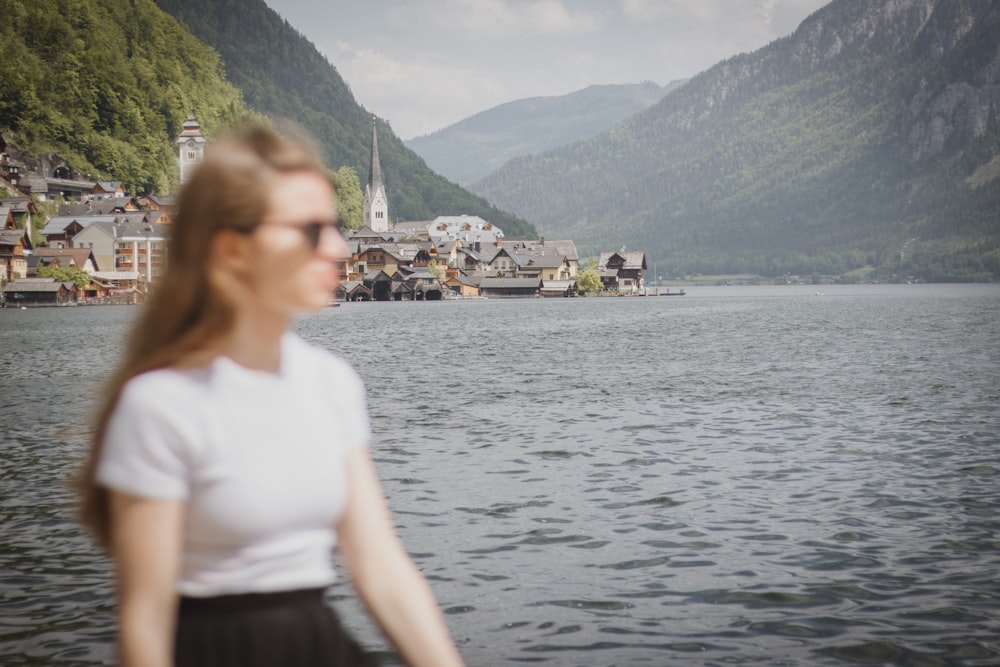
[(376, 204)]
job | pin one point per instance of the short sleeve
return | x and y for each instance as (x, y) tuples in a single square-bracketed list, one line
[(147, 448)]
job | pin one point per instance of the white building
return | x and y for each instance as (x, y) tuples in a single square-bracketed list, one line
[(376, 203), (190, 148)]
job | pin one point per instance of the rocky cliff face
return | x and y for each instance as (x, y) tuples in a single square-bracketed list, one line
[(962, 103)]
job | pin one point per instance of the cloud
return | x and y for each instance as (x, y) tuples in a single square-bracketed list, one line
[(424, 64), (494, 19), (419, 91), (774, 16)]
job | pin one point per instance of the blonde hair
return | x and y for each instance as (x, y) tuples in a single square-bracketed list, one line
[(193, 308)]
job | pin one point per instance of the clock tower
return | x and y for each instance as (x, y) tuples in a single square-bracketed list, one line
[(191, 148)]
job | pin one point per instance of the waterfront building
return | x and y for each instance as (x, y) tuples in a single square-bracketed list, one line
[(81, 258), (40, 292), (622, 272), (139, 247)]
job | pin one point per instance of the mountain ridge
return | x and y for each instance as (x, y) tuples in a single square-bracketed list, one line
[(799, 157), (286, 76), (475, 146)]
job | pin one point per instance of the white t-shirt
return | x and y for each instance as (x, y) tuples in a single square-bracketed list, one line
[(260, 459)]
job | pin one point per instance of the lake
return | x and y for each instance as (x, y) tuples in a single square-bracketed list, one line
[(738, 476)]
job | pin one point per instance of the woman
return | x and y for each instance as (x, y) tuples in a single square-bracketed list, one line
[(231, 456)]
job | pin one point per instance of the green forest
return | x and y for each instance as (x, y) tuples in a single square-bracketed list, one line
[(790, 160), (107, 84), (284, 76)]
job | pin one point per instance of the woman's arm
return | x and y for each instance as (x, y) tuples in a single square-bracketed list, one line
[(146, 546), (386, 579)]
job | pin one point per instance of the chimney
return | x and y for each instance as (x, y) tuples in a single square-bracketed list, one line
[(499, 241)]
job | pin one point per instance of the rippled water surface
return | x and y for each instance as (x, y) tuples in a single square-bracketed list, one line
[(741, 476)]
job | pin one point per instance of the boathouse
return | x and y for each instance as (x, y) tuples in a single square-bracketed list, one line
[(35, 292), (500, 288)]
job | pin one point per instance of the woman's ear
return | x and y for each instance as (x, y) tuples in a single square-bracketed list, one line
[(230, 251)]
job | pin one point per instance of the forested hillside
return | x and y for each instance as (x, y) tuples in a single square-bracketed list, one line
[(282, 74), (472, 148), (869, 137), (107, 84)]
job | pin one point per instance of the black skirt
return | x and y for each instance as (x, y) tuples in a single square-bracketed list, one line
[(287, 629)]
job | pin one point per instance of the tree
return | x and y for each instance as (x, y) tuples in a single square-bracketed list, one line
[(588, 280), (68, 274), (437, 271), (350, 204)]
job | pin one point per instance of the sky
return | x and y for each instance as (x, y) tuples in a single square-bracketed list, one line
[(422, 65)]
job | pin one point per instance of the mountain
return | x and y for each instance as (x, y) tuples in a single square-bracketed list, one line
[(867, 138), (282, 74), (472, 148), (107, 86)]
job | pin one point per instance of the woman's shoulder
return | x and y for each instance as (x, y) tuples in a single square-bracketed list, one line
[(163, 386), (308, 355)]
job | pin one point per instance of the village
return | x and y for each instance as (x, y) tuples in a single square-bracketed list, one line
[(118, 243)]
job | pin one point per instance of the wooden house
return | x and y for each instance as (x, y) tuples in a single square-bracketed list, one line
[(558, 288), (373, 258), (108, 189), (60, 231), (81, 258), (500, 288), (106, 206), (39, 292), (13, 261), (115, 283), (367, 235), (352, 290), (22, 209), (379, 285), (504, 264), (462, 285), (425, 286), (402, 291), (622, 271)]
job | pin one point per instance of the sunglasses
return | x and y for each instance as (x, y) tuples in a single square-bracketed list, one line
[(313, 231)]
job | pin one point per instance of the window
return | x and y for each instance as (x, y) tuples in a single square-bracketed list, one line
[(191, 155)]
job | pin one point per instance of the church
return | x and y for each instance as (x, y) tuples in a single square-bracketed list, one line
[(375, 205)]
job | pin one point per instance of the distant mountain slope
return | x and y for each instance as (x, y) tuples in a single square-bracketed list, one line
[(281, 73), (868, 137), (107, 85), (472, 148)]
